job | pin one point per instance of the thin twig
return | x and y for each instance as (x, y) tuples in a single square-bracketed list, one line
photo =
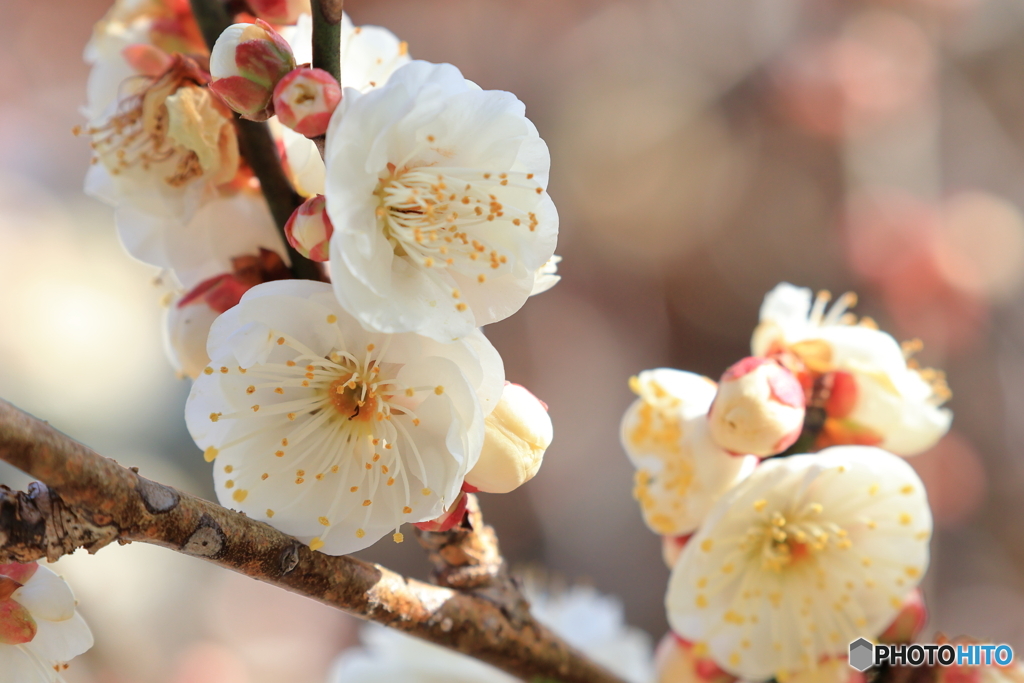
[(257, 146), (89, 501), (327, 46)]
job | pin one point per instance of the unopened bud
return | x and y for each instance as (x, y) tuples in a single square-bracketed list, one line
[(247, 62), (759, 408), (280, 11), (518, 432), (909, 622), (309, 229), (305, 99), (17, 626), (448, 519)]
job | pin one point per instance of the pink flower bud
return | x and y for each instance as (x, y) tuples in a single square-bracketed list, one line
[(909, 622), (672, 548), (17, 626), (758, 410), (247, 62), (517, 433), (305, 99), (280, 11), (448, 519), (309, 229)]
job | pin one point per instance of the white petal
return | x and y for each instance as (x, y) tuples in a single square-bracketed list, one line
[(47, 596), (17, 666), (61, 641)]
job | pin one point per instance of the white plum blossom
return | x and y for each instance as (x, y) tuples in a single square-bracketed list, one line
[(876, 395), (332, 433), (185, 330), (369, 55), (437, 193), (681, 472), (40, 629), (591, 622), (806, 555), (160, 152), (230, 245), (232, 225), (135, 37)]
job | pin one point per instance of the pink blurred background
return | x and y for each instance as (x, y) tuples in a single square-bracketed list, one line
[(703, 150)]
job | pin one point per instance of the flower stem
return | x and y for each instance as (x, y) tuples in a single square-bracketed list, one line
[(327, 46), (258, 148), (327, 36)]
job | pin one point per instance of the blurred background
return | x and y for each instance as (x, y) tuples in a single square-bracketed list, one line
[(703, 150)]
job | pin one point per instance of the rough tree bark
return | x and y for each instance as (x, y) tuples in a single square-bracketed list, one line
[(88, 501)]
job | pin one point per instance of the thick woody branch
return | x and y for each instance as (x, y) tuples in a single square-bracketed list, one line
[(89, 501)]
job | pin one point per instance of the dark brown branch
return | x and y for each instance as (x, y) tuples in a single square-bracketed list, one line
[(257, 147), (90, 501)]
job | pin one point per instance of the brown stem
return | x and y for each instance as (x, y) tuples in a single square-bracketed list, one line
[(89, 501), (327, 46), (467, 558), (257, 147)]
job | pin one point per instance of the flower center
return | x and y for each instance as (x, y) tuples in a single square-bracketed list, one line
[(781, 541), (354, 401), (344, 419)]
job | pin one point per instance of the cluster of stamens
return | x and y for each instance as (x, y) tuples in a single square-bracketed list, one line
[(136, 135), (780, 541), (431, 217)]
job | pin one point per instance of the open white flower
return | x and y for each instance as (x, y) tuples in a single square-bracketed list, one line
[(681, 473), (877, 397), (135, 37), (808, 554), (436, 190), (369, 55), (40, 630), (329, 432), (587, 620), (161, 151)]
